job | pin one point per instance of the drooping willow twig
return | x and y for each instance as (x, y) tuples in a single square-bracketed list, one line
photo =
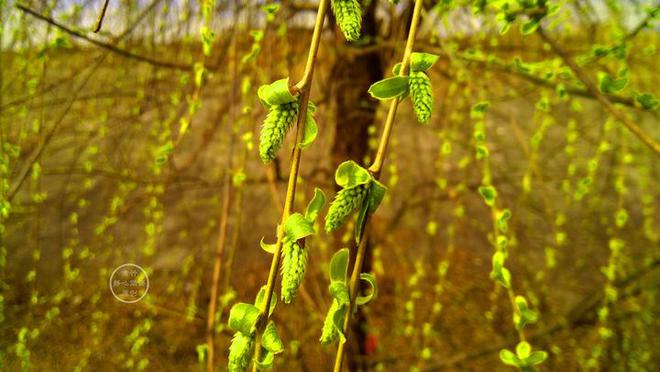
[(303, 88), (375, 170), (593, 89)]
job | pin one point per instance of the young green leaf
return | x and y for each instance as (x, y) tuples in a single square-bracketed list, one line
[(609, 85), (333, 324), (489, 194), (339, 266), (315, 205), (646, 100), (268, 247), (261, 297), (389, 88), (310, 131), (529, 27), (276, 93), (297, 227), (369, 278), (396, 69), (339, 291), (509, 358), (270, 339), (502, 218), (536, 357), (376, 194), (420, 62), (350, 174), (523, 349), (243, 318), (240, 352), (266, 361)]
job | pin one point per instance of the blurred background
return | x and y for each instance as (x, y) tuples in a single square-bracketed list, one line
[(138, 143)]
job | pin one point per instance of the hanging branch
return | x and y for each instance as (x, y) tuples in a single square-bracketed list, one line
[(375, 170), (256, 339), (593, 89), (110, 47)]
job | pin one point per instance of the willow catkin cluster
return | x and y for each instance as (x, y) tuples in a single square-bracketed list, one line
[(329, 333), (294, 263), (346, 201), (277, 124), (421, 94), (349, 17), (240, 352)]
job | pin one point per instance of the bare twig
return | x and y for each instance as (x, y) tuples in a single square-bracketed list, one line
[(110, 47), (99, 20)]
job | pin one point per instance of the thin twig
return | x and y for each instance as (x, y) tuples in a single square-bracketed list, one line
[(99, 20), (110, 47), (303, 88), (375, 169)]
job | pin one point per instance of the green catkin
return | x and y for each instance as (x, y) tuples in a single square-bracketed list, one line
[(240, 352), (277, 124), (294, 263), (421, 95), (349, 17), (346, 201), (329, 333)]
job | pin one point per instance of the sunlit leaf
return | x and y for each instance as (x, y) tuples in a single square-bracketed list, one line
[(339, 265), (369, 278), (243, 318), (349, 174), (389, 88)]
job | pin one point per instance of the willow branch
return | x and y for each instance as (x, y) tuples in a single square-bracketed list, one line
[(109, 47), (375, 170), (593, 89), (303, 88)]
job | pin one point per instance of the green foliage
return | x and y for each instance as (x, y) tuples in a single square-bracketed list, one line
[(610, 85), (500, 274), (523, 315), (244, 319), (647, 101), (359, 191), (349, 17), (524, 358), (240, 352), (489, 193), (421, 62), (333, 324), (417, 84), (396, 86), (282, 113), (294, 250)]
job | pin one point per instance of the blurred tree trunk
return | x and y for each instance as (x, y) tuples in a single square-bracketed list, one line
[(355, 112)]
